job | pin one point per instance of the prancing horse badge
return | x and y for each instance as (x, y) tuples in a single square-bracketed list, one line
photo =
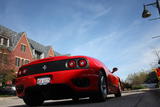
[(44, 67)]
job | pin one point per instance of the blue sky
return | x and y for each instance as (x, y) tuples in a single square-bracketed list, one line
[(109, 30)]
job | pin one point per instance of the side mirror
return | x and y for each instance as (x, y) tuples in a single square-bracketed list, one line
[(114, 70)]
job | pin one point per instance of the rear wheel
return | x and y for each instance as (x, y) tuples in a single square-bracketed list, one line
[(102, 92), (118, 94), (33, 99)]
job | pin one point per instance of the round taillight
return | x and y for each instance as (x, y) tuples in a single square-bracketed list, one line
[(19, 72), (71, 64), (24, 71), (82, 63)]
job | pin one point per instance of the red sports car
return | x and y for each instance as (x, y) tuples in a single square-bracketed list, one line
[(66, 77)]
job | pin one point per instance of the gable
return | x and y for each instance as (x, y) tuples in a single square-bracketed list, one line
[(18, 48), (50, 53)]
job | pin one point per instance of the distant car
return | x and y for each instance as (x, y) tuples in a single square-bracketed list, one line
[(66, 77), (8, 90)]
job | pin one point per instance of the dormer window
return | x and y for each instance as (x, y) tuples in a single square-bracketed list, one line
[(4, 41), (37, 54)]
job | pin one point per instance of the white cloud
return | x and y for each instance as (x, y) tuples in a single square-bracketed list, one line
[(128, 47), (96, 9), (132, 58), (79, 27), (96, 46)]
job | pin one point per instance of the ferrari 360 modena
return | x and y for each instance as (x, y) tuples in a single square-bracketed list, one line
[(64, 77)]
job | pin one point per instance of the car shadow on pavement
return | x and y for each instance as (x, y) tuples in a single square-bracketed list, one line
[(129, 99), (65, 102)]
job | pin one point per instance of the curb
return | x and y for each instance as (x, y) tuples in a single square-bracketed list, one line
[(3, 98), (147, 89)]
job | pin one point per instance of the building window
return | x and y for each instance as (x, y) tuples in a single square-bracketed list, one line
[(17, 62), (22, 62), (26, 61), (1, 40), (3, 58), (4, 41), (1, 55), (38, 54), (23, 48)]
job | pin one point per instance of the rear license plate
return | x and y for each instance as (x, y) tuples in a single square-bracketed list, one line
[(43, 80)]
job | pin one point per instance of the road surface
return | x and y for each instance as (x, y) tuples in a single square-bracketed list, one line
[(142, 98)]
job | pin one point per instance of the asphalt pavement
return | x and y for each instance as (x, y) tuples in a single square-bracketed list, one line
[(138, 98)]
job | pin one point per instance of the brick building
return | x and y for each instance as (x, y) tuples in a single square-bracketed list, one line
[(17, 49)]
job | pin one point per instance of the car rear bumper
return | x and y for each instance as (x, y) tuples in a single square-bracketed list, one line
[(57, 91), (68, 83)]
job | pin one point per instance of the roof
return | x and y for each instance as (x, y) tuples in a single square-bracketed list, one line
[(57, 54), (14, 38), (39, 47)]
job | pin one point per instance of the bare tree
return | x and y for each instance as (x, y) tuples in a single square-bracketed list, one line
[(156, 52), (137, 78), (156, 60)]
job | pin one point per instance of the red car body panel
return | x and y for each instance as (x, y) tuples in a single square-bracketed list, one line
[(66, 76)]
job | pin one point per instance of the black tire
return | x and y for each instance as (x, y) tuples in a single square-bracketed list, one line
[(33, 100), (102, 92), (118, 94)]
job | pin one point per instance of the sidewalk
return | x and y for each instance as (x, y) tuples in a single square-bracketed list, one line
[(146, 89), (8, 97)]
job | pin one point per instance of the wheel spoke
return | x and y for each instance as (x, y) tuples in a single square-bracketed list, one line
[(103, 85)]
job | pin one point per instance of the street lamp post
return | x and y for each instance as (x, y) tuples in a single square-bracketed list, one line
[(154, 37), (146, 13)]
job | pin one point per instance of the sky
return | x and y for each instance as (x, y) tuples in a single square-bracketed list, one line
[(112, 31)]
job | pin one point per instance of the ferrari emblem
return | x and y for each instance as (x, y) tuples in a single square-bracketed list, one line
[(44, 67)]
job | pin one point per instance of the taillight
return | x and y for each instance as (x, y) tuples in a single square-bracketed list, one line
[(77, 63), (19, 73), (82, 63), (22, 72), (71, 64)]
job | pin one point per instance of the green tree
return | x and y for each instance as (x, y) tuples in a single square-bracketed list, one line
[(7, 67), (151, 78), (7, 76)]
